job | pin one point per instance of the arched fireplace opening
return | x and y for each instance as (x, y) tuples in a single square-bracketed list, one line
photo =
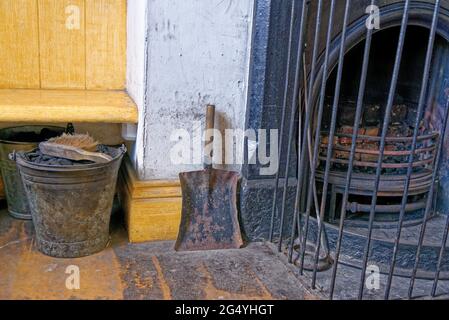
[(400, 132)]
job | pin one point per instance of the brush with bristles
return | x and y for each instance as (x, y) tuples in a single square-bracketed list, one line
[(81, 141), (74, 147)]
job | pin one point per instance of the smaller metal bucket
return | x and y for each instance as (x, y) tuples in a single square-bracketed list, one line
[(23, 138), (70, 205)]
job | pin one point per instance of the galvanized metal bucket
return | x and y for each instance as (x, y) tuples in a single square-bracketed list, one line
[(22, 138), (70, 205)]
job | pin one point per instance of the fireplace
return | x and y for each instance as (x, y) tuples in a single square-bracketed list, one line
[(400, 129), (362, 113)]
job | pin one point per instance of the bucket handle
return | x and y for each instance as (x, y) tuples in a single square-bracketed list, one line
[(70, 129), (123, 149), (13, 156)]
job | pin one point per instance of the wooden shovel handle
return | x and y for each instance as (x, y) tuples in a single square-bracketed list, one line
[(210, 124), (210, 117)]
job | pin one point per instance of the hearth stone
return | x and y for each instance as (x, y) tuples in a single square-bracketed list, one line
[(256, 200)]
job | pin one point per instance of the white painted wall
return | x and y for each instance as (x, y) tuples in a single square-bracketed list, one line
[(198, 53), (136, 71)]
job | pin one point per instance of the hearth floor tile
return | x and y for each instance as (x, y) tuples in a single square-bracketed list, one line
[(141, 271)]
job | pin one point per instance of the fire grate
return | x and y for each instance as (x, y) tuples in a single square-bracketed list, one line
[(396, 156), (394, 168)]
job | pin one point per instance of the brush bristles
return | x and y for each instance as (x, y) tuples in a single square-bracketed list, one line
[(81, 141)]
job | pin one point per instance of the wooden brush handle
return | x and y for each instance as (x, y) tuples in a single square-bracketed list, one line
[(210, 124), (72, 153)]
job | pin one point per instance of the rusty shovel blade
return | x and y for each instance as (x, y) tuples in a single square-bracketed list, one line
[(209, 218)]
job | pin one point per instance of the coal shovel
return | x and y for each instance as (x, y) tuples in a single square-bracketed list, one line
[(209, 218)]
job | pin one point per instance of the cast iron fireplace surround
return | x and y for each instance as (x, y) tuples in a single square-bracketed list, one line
[(285, 30)]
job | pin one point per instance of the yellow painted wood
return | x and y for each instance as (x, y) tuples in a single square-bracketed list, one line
[(105, 44), (66, 106), (19, 45), (152, 208), (62, 44), (143, 224), (149, 189)]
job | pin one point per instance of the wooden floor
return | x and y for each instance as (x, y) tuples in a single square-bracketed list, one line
[(141, 271)]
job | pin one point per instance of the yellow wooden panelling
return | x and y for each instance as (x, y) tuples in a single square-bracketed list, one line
[(144, 225), (19, 45), (66, 106), (105, 44), (62, 44), (152, 208)]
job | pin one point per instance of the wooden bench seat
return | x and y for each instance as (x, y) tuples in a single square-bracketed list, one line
[(59, 106)]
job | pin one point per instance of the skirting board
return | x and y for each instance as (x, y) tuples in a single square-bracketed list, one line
[(152, 208)]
